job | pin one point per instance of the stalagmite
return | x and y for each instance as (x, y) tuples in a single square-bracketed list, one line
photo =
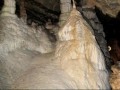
[(79, 54)]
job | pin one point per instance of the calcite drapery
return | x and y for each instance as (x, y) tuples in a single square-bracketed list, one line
[(79, 54)]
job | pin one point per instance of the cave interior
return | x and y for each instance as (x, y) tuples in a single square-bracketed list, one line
[(40, 13), (111, 25)]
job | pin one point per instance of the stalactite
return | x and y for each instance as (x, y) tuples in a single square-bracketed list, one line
[(8, 8)]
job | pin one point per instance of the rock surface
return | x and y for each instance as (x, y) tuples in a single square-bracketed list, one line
[(115, 76)]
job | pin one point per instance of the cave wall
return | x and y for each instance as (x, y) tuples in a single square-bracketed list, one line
[(53, 14)]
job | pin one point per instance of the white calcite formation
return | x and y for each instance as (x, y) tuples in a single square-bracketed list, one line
[(76, 64), (15, 34), (8, 8), (18, 45), (115, 77), (79, 54)]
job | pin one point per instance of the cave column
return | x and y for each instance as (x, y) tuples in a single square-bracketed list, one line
[(65, 6), (8, 8)]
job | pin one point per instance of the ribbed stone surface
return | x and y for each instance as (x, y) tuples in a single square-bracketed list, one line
[(98, 31)]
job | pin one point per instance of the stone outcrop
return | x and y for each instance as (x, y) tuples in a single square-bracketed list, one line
[(16, 34), (78, 63)]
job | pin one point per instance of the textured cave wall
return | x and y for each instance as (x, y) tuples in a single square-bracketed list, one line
[(110, 7), (111, 28), (18, 45), (91, 17), (43, 11)]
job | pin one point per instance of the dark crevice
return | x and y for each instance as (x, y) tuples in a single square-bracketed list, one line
[(37, 12), (111, 27), (1, 4)]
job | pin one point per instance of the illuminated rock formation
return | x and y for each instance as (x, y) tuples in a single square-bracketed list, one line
[(18, 44), (77, 64), (79, 54), (8, 8)]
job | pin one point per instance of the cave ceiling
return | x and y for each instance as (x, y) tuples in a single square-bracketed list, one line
[(110, 7), (42, 10)]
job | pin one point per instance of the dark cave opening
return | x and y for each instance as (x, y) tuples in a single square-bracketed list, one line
[(111, 27)]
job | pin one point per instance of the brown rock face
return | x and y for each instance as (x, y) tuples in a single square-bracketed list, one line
[(115, 76), (110, 7)]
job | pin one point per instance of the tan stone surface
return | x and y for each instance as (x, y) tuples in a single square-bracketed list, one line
[(110, 7), (115, 77)]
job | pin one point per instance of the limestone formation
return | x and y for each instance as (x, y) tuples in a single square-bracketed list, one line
[(79, 54), (18, 45), (78, 62), (25, 61), (9, 8)]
